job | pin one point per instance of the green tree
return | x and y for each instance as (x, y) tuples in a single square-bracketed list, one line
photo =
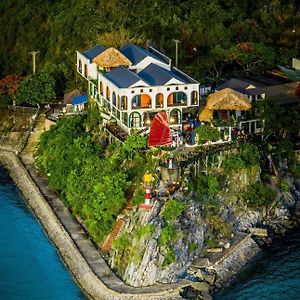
[(252, 56), (207, 133), (36, 89), (134, 143)]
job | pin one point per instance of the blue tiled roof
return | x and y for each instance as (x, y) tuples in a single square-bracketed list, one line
[(156, 75), (122, 77), (79, 100), (136, 54), (93, 52)]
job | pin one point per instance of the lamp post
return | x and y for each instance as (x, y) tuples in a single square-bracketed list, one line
[(176, 51)]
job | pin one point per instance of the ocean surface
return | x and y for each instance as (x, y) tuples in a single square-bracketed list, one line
[(274, 276), (30, 268)]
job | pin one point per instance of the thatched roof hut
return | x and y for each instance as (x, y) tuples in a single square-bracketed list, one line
[(227, 99), (111, 58), (206, 115)]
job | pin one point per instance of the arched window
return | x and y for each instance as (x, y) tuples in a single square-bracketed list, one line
[(80, 66), (124, 102), (141, 101), (177, 99), (85, 70), (135, 120), (101, 88), (107, 93), (118, 102), (159, 100), (175, 117), (194, 98), (114, 99)]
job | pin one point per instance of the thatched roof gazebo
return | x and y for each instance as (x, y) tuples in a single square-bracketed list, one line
[(206, 115), (224, 100), (227, 99), (111, 58)]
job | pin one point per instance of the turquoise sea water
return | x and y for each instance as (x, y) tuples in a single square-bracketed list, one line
[(275, 276), (30, 268)]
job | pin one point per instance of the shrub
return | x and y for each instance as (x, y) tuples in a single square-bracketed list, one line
[(233, 162), (218, 226), (284, 185), (138, 196), (206, 185), (122, 242), (167, 235), (212, 185), (258, 195), (250, 154), (192, 247), (173, 209), (147, 230), (295, 170), (207, 133), (169, 257)]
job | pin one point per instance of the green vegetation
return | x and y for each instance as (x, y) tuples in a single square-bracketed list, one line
[(131, 247), (233, 162), (295, 170), (122, 242), (147, 230), (91, 178), (218, 226), (284, 185), (169, 257), (192, 247), (36, 89), (173, 209), (207, 133), (247, 156), (168, 235), (258, 195), (134, 144), (247, 35), (206, 187)]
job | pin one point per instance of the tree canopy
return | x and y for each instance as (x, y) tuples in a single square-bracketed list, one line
[(36, 89), (58, 28)]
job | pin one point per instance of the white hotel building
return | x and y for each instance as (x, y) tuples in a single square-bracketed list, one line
[(135, 91)]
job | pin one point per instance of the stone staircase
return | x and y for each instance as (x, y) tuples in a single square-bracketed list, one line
[(107, 245), (27, 155)]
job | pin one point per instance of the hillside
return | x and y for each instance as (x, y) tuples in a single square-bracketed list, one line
[(58, 28)]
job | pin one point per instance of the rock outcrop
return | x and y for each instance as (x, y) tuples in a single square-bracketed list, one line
[(149, 264)]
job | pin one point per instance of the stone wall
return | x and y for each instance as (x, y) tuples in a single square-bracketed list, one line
[(235, 260), (89, 282)]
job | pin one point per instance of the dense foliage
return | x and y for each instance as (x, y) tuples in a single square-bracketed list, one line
[(246, 156), (173, 209), (207, 133), (212, 33), (92, 180), (258, 195), (36, 89)]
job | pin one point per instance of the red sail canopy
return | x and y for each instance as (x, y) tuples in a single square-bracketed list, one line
[(160, 133)]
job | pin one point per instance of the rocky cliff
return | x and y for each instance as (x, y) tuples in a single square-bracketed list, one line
[(147, 258), (153, 248)]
